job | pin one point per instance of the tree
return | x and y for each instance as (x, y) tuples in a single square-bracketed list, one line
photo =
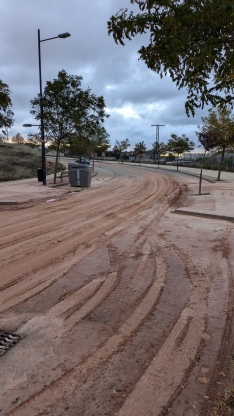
[(100, 142), (192, 40), (179, 145), (140, 149), (6, 115), (34, 140), (89, 141), (69, 111), (18, 139), (217, 132), (119, 147), (159, 149)]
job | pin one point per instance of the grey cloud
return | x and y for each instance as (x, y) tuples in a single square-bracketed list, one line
[(89, 52)]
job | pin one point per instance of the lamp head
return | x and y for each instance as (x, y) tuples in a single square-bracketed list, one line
[(64, 35)]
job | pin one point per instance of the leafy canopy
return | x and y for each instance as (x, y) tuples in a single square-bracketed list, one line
[(6, 115), (70, 113), (119, 147), (217, 130), (180, 144), (191, 40), (159, 148), (68, 109), (140, 148)]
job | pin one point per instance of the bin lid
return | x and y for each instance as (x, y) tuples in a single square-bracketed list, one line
[(73, 166)]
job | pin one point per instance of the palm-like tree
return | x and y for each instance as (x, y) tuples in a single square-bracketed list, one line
[(140, 149), (159, 149)]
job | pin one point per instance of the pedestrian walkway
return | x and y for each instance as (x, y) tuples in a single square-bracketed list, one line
[(216, 202), (207, 174), (30, 190)]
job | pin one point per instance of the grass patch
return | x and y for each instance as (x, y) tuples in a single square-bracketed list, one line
[(21, 162)]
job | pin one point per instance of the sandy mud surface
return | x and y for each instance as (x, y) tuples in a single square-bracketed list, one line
[(123, 307)]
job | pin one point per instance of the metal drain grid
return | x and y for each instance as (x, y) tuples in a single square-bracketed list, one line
[(7, 341)]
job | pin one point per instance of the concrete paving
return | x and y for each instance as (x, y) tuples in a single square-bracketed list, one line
[(30, 190), (207, 174), (218, 203)]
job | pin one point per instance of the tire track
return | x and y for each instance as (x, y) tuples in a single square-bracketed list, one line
[(97, 295)]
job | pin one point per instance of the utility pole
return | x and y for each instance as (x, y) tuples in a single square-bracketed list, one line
[(157, 137)]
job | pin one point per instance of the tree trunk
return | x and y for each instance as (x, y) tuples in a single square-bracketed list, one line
[(56, 161), (177, 162), (221, 164)]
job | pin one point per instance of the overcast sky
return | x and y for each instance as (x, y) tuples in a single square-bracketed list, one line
[(135, 96)]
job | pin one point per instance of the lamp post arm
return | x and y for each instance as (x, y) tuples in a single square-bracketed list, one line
[(44, 40)]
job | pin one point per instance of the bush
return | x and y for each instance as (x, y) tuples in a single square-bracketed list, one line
[(20, 162)]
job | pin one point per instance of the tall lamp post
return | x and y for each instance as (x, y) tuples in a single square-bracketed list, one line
[(61, 36)]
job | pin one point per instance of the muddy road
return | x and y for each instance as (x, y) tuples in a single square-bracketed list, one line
[(122, 307)]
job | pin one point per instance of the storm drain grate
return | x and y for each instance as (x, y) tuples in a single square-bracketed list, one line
[(7, 341)]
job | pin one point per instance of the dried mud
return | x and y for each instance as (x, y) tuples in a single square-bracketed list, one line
[(122, 307)]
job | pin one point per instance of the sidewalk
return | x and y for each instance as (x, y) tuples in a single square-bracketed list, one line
[(30, 190), (219, 203), (207, 174)]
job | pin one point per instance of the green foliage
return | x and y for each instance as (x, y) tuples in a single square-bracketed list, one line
[(217, 132), (140, 148), (94, 141), (20, 162), (179, 145), (159, 149), (119, 147), (219, 125), (191, 40), (70, 113), (6, 115)]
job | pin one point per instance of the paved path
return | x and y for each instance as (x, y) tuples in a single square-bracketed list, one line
[(207, 173)]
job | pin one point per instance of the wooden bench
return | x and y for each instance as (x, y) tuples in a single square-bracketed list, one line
[(63, 174)]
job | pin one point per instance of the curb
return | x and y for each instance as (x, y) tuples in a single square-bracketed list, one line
[(202, 215)]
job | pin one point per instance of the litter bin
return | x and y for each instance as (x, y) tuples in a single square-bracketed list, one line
[(79, 174), (40, 175)]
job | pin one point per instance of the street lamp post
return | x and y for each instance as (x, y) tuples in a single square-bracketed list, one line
[(61, 36)]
